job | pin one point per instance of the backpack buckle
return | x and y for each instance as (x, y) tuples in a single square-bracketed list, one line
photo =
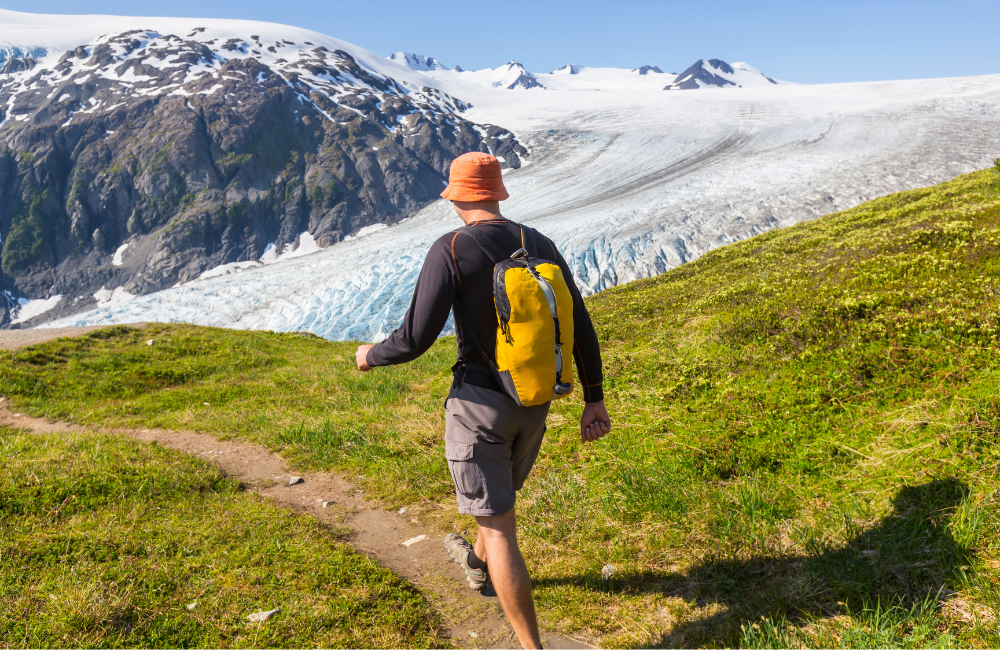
[(519, 254)]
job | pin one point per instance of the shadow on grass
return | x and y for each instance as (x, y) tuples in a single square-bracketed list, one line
[(907, 557)]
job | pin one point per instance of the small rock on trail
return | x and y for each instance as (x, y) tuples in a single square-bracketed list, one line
[(295, 480)]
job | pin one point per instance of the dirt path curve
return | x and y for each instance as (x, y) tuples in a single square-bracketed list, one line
[(472, 619)]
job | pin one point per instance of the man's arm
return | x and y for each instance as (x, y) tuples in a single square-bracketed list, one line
[(595, 423), (424, 320)]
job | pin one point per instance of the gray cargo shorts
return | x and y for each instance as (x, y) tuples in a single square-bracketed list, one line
[(490, 443)]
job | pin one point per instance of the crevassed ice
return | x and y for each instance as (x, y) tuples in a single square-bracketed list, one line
[(628, 185)]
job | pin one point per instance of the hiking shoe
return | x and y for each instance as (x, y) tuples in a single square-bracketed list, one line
[(460, 550)]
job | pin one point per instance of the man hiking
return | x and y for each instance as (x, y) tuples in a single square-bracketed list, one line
[(491, 439)]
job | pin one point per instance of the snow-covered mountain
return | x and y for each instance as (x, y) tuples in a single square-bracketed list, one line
[(139, 153), (714, 73), (417, 61), (510, 76), (648, 69), (711, 73), (629, 180)]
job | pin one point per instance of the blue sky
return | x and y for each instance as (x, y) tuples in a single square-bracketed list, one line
[(807, 42)]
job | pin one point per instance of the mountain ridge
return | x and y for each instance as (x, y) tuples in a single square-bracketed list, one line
[(629, 180), (139, 159), (704, 73)]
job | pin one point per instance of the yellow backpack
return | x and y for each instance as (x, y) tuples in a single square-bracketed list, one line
[(535, 315)]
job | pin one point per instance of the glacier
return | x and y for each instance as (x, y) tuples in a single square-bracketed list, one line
[(629, 182)]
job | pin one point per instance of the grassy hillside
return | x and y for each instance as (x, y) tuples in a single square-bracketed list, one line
[(805, 448), (107, 542)]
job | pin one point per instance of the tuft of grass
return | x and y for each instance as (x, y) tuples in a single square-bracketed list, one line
[(875, 626), (806, 428), (107, 542)]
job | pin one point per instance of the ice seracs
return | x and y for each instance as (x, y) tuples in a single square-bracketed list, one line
[(628, 184)]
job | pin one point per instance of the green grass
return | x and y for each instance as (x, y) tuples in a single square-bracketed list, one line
[(105, 541), (806, 430)]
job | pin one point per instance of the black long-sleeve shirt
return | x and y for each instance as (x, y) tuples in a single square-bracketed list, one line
[(457, 276)]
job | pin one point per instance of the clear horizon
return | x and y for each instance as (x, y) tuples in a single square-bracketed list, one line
[(853, 41)]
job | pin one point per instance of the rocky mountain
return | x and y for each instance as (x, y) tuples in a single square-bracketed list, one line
[(568, 69), (713, 73), (137, 154), (136, 159), (647, 69), (417, 61), (509, 76)]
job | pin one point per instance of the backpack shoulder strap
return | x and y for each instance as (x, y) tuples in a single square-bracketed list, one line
[(486, 245), (530, 241)]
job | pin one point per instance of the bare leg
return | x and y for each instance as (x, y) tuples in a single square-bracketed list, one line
[(497, 546)]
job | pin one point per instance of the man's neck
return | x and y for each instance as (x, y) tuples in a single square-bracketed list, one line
[(472, 216)]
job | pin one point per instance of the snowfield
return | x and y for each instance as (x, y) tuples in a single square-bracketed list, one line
[(630, 180), (628, 184)]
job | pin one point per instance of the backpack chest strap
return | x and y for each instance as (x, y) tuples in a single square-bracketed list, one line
[(492, 251)]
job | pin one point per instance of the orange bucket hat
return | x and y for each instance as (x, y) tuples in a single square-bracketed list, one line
[(475, 176)]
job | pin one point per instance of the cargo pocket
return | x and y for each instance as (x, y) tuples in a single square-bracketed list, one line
[(465, 473)]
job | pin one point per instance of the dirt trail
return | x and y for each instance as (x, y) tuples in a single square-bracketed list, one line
[(14, 339), (377, 533)]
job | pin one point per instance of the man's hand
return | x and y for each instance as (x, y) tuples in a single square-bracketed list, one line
[(594, 423), (361, 356)]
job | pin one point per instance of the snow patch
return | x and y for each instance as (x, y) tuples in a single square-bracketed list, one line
[(28, 309), (107, 297), (116, 259), (307, 246), (270, 255)]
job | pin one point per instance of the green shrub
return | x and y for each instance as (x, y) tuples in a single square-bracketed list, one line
[(27, 242)]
